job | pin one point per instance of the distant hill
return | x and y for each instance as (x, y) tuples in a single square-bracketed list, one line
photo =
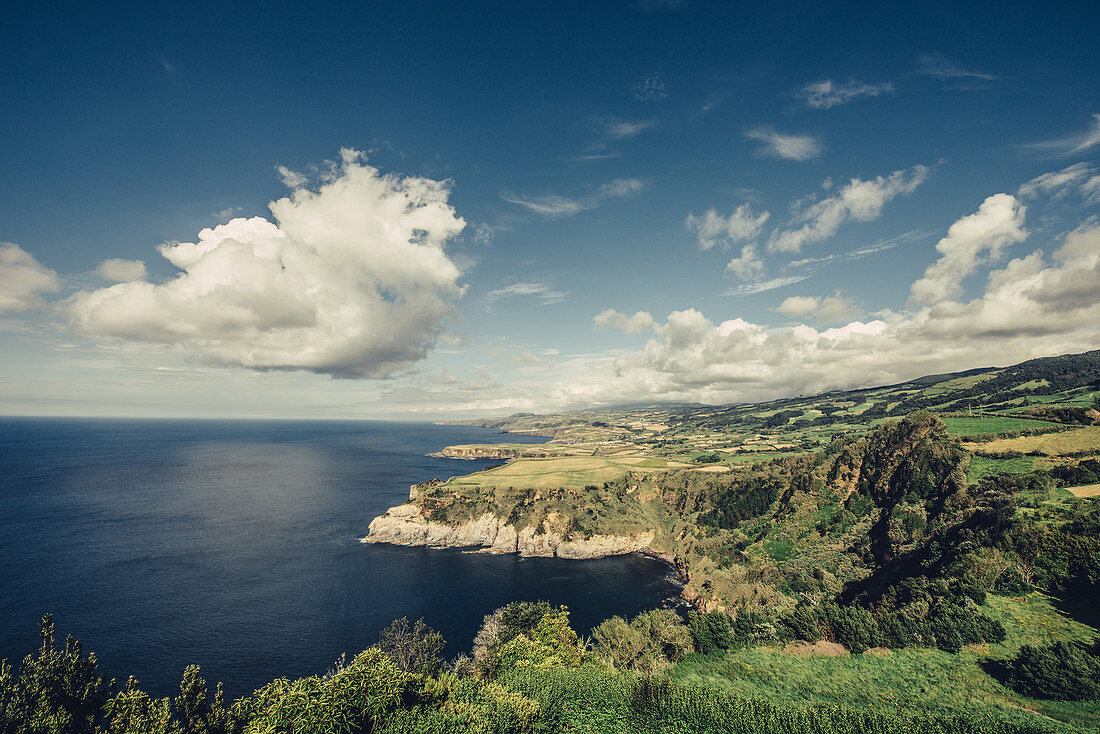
[(1034, 387)]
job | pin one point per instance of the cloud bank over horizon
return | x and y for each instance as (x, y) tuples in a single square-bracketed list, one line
[(1034, 305)]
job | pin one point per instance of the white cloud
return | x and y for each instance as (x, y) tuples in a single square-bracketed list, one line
[(620, 188), (796, 306), (787, 147), (750, 289), (1030, 297), (622, 130), (740, 225), (23, 279), (649, 89), (859, 201), (999, 222), (589, 157), (1074, 144), (117, 270), (512, 355), (541, 290), (826, 94), (552, 206), (860, 252), (349, 280), (1056, 183), (636, 324), (825, 310), (292, 179), (1031, 307), (1091, 190), (938, 66), (747, 265), (226, 214)]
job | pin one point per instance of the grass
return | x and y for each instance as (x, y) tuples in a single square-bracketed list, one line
[(1052, 444), (569, 471), (1032, 620), (981, 466), (1088, 490), (916, 680), (991, 425)]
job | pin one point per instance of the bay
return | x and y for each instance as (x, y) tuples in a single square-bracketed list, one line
[(234, 545)]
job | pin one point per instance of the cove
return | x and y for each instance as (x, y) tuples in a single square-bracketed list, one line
[(234, 545)]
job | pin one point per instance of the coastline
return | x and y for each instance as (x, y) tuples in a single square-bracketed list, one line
[(404, 525)]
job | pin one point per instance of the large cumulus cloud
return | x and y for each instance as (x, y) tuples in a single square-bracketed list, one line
[(350, 279)]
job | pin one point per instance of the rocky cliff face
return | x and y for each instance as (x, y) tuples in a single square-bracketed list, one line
[(406, 526), (459, 452), (501, 452)]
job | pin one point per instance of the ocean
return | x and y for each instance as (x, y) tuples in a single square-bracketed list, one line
[(234, 545)]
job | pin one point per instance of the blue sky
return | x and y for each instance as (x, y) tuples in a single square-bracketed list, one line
[(427, 210)]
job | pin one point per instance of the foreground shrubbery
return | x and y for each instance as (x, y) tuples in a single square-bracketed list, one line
[(529, 673)]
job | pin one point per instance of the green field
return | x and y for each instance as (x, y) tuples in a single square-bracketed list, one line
[(570, 471), (981, 466), (1073, 441), (991, 425)]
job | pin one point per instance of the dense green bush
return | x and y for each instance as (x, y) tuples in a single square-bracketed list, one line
[(473, 707), (748, 499), (711, 631), (526, 634), (54, 691), (650, 642), (1063, 671), (355, 698)]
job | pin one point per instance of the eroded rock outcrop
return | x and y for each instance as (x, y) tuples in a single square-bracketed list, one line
[(404, 525)]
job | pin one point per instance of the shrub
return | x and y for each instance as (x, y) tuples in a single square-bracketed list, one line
[(526, 634), (650, 642), (474, 707), (356, 697), (711, 631), (414, 650), (55, 691), (1062, 671)]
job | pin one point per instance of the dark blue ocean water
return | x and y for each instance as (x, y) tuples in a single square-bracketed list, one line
[(235, 545)]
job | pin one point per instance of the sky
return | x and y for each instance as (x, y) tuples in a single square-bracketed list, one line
[(424, 211)]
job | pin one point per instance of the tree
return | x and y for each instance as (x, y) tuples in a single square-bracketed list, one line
[(650, 642), (415, 649)]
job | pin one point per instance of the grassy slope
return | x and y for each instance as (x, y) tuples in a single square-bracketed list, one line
[(913, 679), (1053, 444), (991, 425)]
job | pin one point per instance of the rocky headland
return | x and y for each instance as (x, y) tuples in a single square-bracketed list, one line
[(405, 525), (491, 451)]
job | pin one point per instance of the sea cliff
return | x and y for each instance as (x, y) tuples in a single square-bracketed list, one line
[(404, 525)]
